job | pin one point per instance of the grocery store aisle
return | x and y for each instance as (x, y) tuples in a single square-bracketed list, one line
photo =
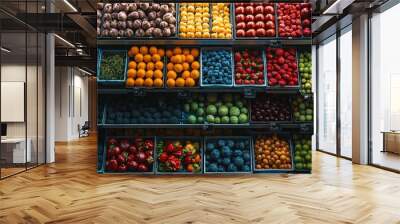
[(71, 191)]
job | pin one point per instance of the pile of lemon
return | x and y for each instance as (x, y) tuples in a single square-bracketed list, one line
[(194, 20), (221, 23), (183, 67)]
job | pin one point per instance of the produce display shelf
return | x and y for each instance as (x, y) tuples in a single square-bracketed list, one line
[(116, 100), (206, 42)]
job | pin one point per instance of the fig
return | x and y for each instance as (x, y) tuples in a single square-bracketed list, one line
[(137, 24), (116, 7), (133, 15), (144, 6)]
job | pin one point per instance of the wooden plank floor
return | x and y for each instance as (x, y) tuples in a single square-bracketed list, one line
[(70, 191)]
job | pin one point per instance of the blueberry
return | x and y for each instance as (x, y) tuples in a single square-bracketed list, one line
[(237, 152), (226, 161), (246, 156), (221, 142), (232, 168), (230, 143), (246, 168)]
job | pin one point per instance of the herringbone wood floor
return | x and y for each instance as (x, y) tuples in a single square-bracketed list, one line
[(70, 191)]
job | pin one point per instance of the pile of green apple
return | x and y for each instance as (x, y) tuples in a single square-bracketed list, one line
[(302, 153), (302, 109), (216, 109), (305, 68)]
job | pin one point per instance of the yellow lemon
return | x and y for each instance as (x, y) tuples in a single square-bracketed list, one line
[(190, 28), (206, 35), (182, 29), (190, 8), (190, 34)]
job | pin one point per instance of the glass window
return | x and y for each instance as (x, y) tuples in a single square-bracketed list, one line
[(22, 91), (346, 92), (385, 89), (327, 95), (15, 149)]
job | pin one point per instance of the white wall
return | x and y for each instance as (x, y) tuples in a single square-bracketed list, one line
[(71, 93)]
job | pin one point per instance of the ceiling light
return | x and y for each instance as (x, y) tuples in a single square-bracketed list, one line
[(5, 50), (70, 5), (65, 41), (84, 71)]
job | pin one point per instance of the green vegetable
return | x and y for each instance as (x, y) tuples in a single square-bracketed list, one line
[(192, 119), (194, 106), (210, 118), (200, 120), (200, 111), (223, 110), (234, 111), (243, 118), (225, 120), (211, 109), (234, 119), (112, 66)]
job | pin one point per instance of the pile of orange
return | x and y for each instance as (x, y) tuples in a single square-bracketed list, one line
[(183, 67), (145, 68)]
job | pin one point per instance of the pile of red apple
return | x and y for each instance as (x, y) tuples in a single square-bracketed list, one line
[(282, 67), (306, 19), (255, 20), (289, 20), (249, 67), (125, 155)]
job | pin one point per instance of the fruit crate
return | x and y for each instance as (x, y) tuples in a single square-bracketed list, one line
[(306, 101), (290, 37), (104, 146), (202, 67), (236, 49), (294, 142), (214, 140), (210, 23), (284, 136), (256, 38), (176, 121), (276, 87), (100, 55), (164, 71), (205, 123), (100, 37), (289, 101), (100, 154), (197, 87), (181, 171)]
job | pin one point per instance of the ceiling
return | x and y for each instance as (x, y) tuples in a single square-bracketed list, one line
[(74, 22)]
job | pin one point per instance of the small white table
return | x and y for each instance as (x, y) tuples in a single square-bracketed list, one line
[(16, 146)]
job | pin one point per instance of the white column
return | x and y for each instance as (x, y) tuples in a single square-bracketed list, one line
[(360, 90), (50, 81)]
